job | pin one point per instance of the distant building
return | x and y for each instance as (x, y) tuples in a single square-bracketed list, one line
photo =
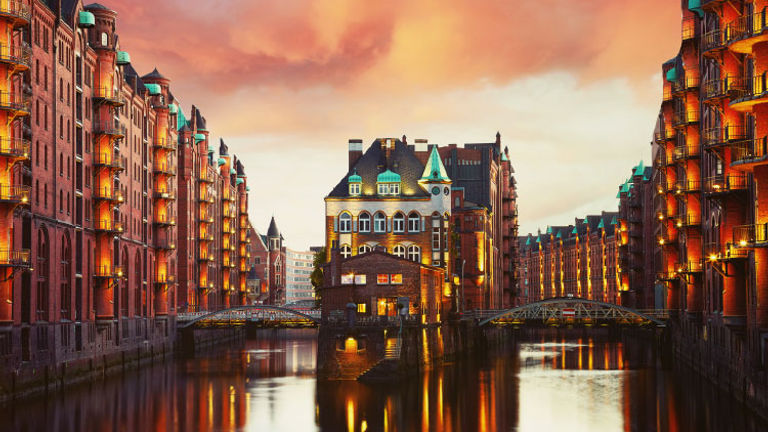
[(298, 268), (275, 264)]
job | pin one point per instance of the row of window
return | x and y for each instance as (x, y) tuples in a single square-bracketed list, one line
[(413, 253), (345, 222)]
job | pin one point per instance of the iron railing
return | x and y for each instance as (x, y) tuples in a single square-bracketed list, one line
[(750, 235), (749, 151), (725, 183), (15, 258), (14, 147), (714, 137)]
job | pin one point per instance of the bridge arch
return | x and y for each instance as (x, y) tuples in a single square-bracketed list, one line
[(579, 307), (248, 307)]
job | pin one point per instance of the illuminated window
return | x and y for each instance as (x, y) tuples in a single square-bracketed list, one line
[(345, 222), (399, 251), (346, 251), (364, 222), (414, 253), (361, 308), (396, 279), (388, 188), (379, 222), (398, 223), (363, 249), (382, 279), (360, 279), (347, 279), (413, 222), (354, 189)]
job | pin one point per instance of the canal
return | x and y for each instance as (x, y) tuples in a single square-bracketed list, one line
[(549, 383)]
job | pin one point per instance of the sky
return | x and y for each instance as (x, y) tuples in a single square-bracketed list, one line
[(573, 87)]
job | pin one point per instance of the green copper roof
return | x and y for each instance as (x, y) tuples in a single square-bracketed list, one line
[(123, 58), (239, 181), (559, 234), (221, 161), (86, 19), (549, 229), (613, 221), (434, 171), (354, 178), (247, 188), (211, 148), (154, 89), (504, 157), (639, 169), (181, 121), (199, 137), (672, 75), (538, 238), (528, 241), (232, 170), (388, 177), (601, 224), (575, 230), (173, 109), (695, 6)]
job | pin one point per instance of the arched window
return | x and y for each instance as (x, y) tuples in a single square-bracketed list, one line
[(346, 251), (398, 223), (413, 222), (137, 285), (43, 273), (66, 275), (399, 251), (345, 222), (414, 253), (364, 222), (379, 222), (363, 249)]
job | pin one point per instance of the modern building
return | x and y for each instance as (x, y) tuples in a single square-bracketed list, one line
[(391, 201), (108, 193), (578, 260), (483, 176), (709, 151), (298, 268)]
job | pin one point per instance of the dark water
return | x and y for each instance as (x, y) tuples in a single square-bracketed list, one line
[(548, 384)]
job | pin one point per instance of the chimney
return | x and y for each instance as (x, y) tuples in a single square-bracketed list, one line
[(421, 143), (355, 151)]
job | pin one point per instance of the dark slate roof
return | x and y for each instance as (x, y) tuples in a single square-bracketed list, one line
[(223, 149), (97, 6), (199, 119), (273, 231), (154, 74), (239, 167), (374, 161), (133, 79)]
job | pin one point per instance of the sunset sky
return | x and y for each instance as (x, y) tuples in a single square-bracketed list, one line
[(573, 87)]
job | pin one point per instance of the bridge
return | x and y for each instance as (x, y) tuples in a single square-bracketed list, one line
[(239, 315), (567, 310)]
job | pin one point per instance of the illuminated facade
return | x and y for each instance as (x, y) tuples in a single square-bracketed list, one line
[(90, 195), (710, 153), (578, 260)]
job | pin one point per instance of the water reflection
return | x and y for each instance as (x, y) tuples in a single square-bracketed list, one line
[(547, 383)]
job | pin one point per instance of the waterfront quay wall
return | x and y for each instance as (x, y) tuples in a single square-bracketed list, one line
[(371, 352), (47, 357), (725, 359)]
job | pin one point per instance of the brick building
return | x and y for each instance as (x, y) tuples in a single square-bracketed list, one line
[(390, 200), (578, 260), (101, 164), (276, 264), (377, 281)]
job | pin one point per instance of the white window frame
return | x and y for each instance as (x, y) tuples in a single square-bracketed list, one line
[(345, 251), (354, 189), (364, 222), (399, 251), (379, 225), (345, 222), (398, 223), (363, 248), (414, 222), (414, 253)]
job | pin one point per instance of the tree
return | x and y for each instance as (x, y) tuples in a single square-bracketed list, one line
[(317, 274)]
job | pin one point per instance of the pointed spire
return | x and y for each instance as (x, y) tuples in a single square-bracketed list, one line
[(273, 231), (434, 170)]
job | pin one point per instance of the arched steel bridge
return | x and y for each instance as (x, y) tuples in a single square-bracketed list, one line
[(576, 309), (248, 313)]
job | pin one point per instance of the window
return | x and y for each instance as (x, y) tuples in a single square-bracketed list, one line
[(413, 222), (396, 279), (379, 222), (363, 249), (364, 222), (346, 251), (399, 251), (388, 188), (354, 189), (435, 233), (345, 222), (361, 308), (398, 222), (104, 39), (382, 279), (414, 253)]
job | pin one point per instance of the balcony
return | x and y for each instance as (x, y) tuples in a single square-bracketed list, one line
[(691, 266), (685, 118), (14, 148), (163, 167), (206, 217), (712, 42), (164, 144), (687, 186), (207, 175), (664, 135), (165, 194), (108, 194), (15, 10), (749, 236), (714, 252), (164, 220), (206, 256), (723, 184), (684, 84), (109, 271), (688, 220), (108, 226), (17, 104), (14, 194), (111, 161), (689, 29), (755, 92), (109, 127), (206, 237), (728, 87), (746, 31), (667, 236), (206, 197), (15, 258), (109, 96), (686, 152), (668, 276), (18, 56), (165, 279), (749, 153), (717, 137)]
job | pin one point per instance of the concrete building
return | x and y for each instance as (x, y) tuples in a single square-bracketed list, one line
[(298, 268)]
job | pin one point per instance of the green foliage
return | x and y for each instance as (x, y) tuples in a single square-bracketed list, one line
[(317, 274)]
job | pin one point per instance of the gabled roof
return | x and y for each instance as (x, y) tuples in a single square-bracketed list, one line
[(434, 170), (154, 75)]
